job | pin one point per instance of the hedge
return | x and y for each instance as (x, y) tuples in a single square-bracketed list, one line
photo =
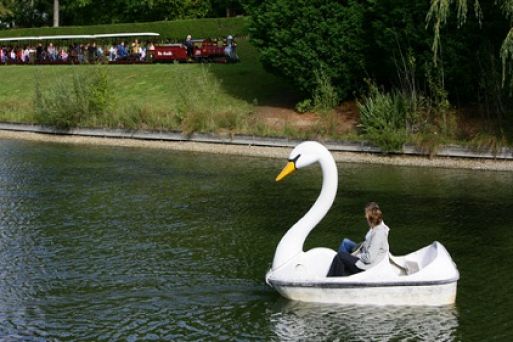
[(168, 30)]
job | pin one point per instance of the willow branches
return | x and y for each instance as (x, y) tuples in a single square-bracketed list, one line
[(438, 13)]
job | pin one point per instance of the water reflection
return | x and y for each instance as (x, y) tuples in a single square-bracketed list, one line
[(364, 323)]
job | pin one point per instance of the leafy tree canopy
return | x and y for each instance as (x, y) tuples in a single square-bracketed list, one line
[(34, 13), (300, 38)]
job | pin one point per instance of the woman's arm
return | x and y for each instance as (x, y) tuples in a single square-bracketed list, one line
[(376, 246)]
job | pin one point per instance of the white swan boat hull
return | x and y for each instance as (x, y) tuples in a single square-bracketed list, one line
[(370, 294), (426, 277)]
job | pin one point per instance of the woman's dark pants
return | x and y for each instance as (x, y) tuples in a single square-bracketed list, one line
[(343, 264)]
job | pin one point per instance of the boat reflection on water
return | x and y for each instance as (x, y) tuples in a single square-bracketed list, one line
[(364, 323)]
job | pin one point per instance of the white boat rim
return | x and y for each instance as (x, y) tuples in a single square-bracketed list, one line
[(333, 284)]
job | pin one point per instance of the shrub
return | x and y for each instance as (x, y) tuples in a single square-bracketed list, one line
[(87, 99), (304, 106), (325, 96), (383, 118)]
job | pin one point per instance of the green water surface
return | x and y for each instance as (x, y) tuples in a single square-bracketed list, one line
[(106, 243)]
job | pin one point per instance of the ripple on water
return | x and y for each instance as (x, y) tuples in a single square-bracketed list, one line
[(365, 323)]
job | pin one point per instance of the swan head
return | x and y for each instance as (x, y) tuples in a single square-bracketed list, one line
[(302, 155)]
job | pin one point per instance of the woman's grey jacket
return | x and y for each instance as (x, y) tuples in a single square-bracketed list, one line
[(373, 249)]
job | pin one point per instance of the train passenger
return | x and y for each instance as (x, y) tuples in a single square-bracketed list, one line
[(142, 53), (80, 53), (73, 53), (189, 44), (122, 53), (150, 51), (39, 53), (12, 55), (135, 50), (63, 55), (230, 49), (91, 52), (19, 55), (112, 53), (26, 54), (52, 52), (99, 54)]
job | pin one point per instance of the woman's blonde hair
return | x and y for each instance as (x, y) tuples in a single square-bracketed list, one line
[(373, 214)]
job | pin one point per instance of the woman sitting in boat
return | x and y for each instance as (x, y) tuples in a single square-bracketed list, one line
[(352, 259)]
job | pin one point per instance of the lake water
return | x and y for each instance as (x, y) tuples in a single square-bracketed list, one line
[(101, 243)]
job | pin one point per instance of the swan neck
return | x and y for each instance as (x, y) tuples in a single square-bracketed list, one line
[(292, 242)]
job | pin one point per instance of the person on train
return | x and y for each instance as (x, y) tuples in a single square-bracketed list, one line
[(189, 44), (122, 53)]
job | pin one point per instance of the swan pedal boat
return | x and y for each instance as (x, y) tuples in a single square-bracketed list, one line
[(427, 276)]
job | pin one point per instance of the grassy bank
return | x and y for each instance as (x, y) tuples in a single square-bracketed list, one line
[(188, 97)]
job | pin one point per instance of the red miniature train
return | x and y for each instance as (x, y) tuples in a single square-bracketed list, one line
[(111, 48), (204, 50)]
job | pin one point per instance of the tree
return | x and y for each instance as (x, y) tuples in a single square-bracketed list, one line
[(440, 11), (87, 12), (228, 8), (56, 9), (489, 38), (301, 39), (6, 7), (30, 13)]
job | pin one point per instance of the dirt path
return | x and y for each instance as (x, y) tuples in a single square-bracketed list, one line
[(277, 118)]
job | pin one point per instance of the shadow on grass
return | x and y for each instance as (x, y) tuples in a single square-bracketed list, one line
[(248, 81)]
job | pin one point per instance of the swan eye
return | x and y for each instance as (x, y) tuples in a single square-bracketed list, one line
[(294, 160), (289, 168)]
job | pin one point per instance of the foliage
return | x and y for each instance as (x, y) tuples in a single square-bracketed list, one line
[(324, 96), (35, 13), (390, 119), (396, 37), (488, 142), (169, 30), (294, 46), (296, 38), (6, 7), (440, 10), (383, 118), (28, 12), (65, 106), (304, 106)]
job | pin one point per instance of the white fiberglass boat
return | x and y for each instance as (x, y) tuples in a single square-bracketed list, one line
[(425, 277)]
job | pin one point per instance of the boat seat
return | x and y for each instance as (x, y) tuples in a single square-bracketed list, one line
[(411, 266), (406, 267)]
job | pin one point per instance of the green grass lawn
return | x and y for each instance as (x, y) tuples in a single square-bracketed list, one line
[(154, 96)]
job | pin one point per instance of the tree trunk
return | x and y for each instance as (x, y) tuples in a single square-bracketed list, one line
[(55, 13)]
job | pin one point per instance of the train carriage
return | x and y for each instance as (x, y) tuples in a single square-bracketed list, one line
[(110, 48)]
